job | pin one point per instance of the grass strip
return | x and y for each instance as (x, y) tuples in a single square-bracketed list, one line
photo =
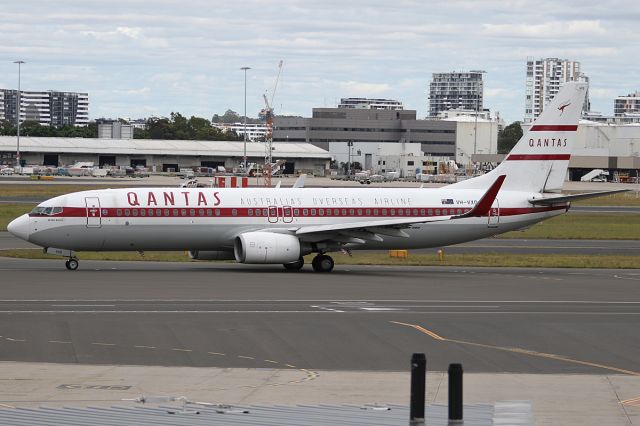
[(8, 212), (486, 259), (46, 190), (624, 199), (584, 226)]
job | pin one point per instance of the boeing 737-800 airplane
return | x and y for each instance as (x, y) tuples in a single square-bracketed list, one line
[(281, 225)]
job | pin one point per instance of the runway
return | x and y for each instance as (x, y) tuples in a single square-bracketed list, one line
[(357, 318)]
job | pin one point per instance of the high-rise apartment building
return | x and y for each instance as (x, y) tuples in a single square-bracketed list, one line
[(50, 108), (371, 103), (544, 78), (625, 106), (456, 90)]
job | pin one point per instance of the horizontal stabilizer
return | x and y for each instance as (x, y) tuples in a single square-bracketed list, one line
[(550, 200)]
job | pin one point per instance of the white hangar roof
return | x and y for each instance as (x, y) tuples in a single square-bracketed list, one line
[(160, 147)]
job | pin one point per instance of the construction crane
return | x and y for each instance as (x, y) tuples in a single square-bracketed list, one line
[(268, 138)]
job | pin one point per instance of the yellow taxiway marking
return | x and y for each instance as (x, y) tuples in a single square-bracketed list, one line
[(634, 402), (421, 329), (519, 350)]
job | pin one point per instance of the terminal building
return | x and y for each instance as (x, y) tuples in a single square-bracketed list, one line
[(160, 155), (364, 134)]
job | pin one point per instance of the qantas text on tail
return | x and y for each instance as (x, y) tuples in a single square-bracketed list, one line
[(281, 225)]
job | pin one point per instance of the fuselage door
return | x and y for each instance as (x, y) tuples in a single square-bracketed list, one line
[(273, 214), (94, 215), (287, 214), (494, 215)]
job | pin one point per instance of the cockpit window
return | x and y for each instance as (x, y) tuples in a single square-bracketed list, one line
[(46, 211)]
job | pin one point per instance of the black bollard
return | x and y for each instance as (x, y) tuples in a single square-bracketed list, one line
[(455, 393), (418, 378)]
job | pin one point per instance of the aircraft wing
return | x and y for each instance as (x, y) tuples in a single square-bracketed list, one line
[(359, 232), (562, 198)]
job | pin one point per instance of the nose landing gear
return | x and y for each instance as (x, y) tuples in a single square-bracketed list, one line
[(72, 264)]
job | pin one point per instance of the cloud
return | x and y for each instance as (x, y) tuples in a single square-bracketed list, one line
[(355, 88), (557, 29), (185, 56)]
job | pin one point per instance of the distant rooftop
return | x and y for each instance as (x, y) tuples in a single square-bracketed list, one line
[(371, 103)]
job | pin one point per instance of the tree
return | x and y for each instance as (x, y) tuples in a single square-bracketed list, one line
[(508, 137), (7, 128)]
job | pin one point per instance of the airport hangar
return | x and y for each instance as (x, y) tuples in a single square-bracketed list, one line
[(160, 155)]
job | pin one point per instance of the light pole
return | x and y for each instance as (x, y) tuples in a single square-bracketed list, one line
[(349, 145), (244, 157), (475, 126), (18, 109)]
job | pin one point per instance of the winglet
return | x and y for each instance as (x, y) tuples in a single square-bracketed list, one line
[(483, 206)]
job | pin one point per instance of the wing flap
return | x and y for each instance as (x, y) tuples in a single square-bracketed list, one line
[(369, 224)]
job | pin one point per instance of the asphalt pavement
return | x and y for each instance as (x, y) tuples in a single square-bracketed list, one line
[(356, 318)]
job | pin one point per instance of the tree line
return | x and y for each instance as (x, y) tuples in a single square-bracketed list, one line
[(176, 126), (33, 128)]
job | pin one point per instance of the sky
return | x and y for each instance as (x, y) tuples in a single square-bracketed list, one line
[(140, 58)]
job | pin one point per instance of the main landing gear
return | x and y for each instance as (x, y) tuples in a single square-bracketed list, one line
[(320, 263)]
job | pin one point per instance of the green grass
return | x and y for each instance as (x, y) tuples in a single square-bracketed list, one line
[(359, 258), (8, 212), (44, 190), (155, 256), (584, 226), (624, 199)]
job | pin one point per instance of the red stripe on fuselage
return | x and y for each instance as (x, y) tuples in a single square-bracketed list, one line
[(298, 212), (538, 157), (553, 128)]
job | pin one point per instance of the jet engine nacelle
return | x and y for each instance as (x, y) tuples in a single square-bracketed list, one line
[(211, 255), (266, 247)]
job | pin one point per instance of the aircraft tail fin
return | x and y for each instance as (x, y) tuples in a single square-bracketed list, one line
[(539, 161)]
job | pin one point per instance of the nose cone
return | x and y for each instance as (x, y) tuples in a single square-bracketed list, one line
[(20, 227)]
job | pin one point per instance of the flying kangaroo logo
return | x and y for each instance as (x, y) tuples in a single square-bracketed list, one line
[(563, 106)]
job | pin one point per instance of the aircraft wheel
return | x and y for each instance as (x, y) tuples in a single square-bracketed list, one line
[(322, 263), (72, 264), (294, 266)]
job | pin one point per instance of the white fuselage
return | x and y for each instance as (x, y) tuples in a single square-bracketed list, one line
[(211, 218)]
